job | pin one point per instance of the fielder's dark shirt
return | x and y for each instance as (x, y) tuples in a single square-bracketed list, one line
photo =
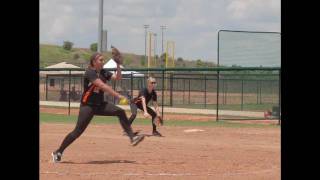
[(148, 96), (92, 95)]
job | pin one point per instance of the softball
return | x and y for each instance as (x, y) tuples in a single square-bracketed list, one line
[(123, 101)]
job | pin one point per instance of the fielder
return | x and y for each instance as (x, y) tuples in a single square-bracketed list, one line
[(145, 95)]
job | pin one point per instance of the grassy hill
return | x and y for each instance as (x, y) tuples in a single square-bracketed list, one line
[(52, 54)]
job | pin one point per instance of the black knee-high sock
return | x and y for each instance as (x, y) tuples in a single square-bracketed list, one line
[(68, 140)]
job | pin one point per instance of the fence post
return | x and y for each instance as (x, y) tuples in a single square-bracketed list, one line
[(131, 78), (218, 78), (241, 94), (162, 93), (225, 93), (257, 92), (260, 98), (205, 91), (171, 87), (189, 93), (217, 113), (69, 92), (279, 122), (46, 87), (184, 86)]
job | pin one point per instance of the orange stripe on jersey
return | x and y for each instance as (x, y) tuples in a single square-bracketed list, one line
[(87, 94)]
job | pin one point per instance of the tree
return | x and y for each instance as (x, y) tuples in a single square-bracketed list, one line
[(76, 56), (179, 61), (142, 62), (127, 61), (94, 47), (67, 45), (235, 65), (199, 63)]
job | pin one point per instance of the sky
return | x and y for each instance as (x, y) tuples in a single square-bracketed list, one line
[(192, 24)]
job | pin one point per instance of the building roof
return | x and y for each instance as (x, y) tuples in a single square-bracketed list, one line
[(62, 65)]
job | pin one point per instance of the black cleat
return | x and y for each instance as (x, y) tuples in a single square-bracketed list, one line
[(134, 133), (137, 139), (156, 133), (56, 157)]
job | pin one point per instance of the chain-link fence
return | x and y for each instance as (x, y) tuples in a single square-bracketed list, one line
[(252, 91), (244, 93)]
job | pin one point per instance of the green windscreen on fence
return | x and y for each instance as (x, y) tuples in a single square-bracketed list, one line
[(249, 49), (249, 94)]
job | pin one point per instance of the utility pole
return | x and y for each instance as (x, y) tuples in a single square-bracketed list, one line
[(162, 28), (146, 26), (100, 26)]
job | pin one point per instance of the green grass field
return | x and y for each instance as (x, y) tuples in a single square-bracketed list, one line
[(55, 118)]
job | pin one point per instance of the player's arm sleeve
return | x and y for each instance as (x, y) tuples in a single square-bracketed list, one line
[(154, 97), (91, 75)]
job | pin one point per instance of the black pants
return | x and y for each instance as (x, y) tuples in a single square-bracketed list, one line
[(86, 114), (134, 107)]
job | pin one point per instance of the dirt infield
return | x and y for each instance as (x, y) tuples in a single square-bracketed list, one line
[(215, 153)]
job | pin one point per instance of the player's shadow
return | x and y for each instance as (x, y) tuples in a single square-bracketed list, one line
[(148, 135), (151, 135), (100, 162)]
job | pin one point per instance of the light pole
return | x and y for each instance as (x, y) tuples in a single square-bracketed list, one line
[(155, 47), (104, 45), (146, 26), (100, 26), (162, 28)]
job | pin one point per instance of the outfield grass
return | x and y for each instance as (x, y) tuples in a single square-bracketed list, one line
[(57, 118)]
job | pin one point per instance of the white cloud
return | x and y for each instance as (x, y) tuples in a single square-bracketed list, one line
[(192, 24), (254, 9)]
